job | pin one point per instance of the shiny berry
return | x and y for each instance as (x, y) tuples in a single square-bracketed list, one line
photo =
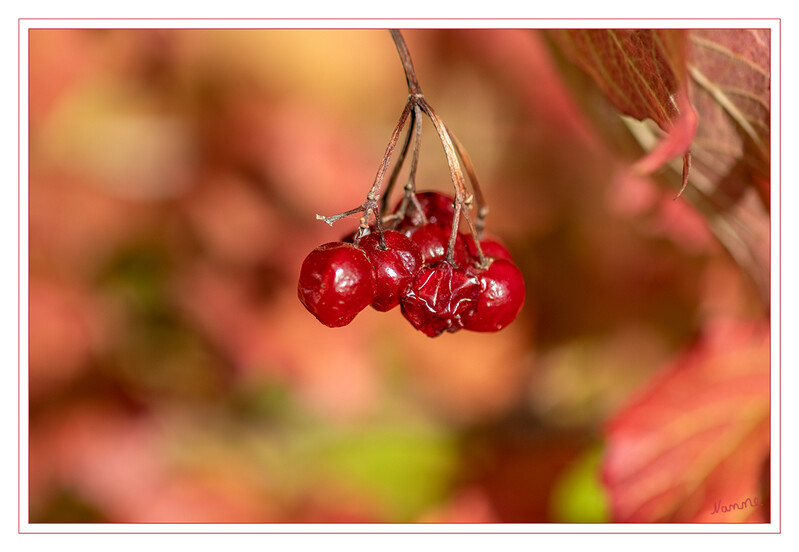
[(441, 298), (337, 281), (500, 299), (491, 248), (395, 266), (433, 239), (437, 208)]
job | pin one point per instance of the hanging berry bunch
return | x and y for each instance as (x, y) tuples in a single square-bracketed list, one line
[(416, 256)]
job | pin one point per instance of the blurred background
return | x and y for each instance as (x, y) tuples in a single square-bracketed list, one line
[(174, 375)]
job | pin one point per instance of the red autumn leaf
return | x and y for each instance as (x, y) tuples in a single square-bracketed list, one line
[(731, 74), (643, 74), (731, 90), (720, 80), (695, 442)]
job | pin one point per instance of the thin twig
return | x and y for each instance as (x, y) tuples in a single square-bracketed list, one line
[(454, 152), (371, 205), (481, 206), (407, 64), (400, 161), (409, 197), (461, 194)]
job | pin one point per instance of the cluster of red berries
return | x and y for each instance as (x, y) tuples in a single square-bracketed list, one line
[(410, 269)]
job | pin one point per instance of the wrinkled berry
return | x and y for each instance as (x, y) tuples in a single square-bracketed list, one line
[(500, 299), (337, 281), (441, 298), (394, 266), (432, 240)]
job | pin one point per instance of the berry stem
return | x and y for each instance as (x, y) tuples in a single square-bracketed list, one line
[(415, 96), (477, 228), (371, 205), (410, 186), (333, 218), (415, 106), (451, 151), (462, 195), (407, 63), (400, 161), (374, 193), (481, 205), (409, 196)]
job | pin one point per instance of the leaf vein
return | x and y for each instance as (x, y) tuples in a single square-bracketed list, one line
[(716, 47), (731, 109), (640, 80)]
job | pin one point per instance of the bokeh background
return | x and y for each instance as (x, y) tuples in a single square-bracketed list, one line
[(175, 377)]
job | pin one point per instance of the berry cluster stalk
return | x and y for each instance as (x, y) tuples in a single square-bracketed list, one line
[(455, 153)]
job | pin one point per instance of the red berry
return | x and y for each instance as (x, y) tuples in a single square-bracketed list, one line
[(500, 299), (394, 266), (337, 281), (432, 240), (441, 297), (491, 248), (437, 208)]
